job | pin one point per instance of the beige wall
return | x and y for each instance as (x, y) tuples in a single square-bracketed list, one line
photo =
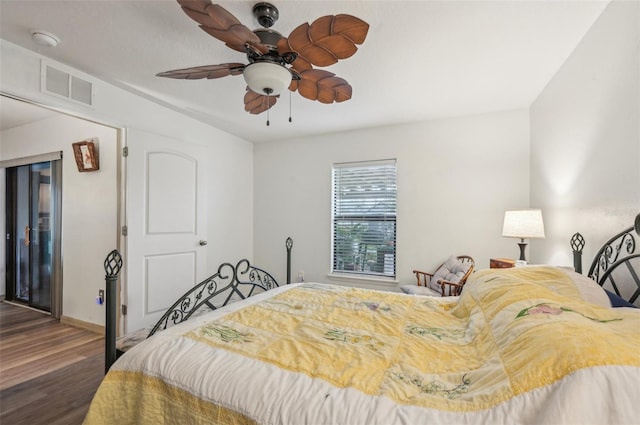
[(456, 177), (575, 154), (585, 139)]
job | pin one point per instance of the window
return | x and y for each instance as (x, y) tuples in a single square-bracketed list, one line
[(364, 218)]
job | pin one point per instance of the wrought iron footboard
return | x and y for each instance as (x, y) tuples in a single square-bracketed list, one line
[(112, 267), (227, 285), (230, 283)]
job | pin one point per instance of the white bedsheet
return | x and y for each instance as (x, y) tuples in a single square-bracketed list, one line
[(262, 392)]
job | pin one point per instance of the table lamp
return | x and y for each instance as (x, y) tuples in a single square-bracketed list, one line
[(523, 224)]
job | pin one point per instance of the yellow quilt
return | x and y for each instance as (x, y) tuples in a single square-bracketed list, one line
[(393, 358), (508, 334)]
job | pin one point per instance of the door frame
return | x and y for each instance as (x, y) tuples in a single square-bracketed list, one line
[(121, 184)]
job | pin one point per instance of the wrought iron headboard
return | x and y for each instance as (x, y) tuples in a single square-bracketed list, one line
[(617, 253)]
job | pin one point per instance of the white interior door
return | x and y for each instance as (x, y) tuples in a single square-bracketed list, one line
[(166, 223)]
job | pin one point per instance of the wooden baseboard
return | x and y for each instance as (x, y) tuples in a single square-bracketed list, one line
[(82, 324)]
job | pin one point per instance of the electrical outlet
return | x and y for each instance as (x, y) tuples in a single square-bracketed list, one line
[(101, 293), (301, 276), (100, 297)]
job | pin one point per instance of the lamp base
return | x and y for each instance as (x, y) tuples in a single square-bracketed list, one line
[(522, 244)]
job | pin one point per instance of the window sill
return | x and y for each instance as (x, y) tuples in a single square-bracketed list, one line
[(382, 281)]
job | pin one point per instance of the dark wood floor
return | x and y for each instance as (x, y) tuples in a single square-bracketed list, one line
[(48, 371)]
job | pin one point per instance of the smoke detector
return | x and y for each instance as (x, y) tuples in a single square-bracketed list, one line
[(44, 38)]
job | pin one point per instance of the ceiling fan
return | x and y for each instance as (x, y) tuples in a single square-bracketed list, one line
[(277, 63)]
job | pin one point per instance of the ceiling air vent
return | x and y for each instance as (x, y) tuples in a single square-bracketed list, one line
[(64, 84)]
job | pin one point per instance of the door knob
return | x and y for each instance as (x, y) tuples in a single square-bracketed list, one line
[(202, 243)]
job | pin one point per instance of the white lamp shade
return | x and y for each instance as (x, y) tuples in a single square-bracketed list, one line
[(267, 78), (524, 224)]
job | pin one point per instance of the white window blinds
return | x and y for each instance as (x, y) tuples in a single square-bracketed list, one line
[(364, 218)]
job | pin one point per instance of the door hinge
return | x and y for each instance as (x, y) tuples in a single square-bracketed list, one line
[(125, 151), (125, 231), (123, 309)]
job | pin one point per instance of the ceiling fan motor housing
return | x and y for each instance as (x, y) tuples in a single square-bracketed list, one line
[(266, 14), (268, 37)]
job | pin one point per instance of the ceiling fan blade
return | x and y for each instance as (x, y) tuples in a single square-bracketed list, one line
[(236, 37), (207, 71), (218, 22), (299, 64), (255, 103), (323, 34), (327, 40), (355, 29), (206, 13), (323, 86)]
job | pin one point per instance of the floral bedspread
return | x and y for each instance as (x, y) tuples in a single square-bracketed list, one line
[(519, 346)]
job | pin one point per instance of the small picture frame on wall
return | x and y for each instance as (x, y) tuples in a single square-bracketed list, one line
[(86, 155)]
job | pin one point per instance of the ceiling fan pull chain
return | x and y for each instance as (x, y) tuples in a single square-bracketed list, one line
[(290, 106), (268, 103), (265, 102)]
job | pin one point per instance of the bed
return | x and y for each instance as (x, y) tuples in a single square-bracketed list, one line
[(616, 267), (524, 345)]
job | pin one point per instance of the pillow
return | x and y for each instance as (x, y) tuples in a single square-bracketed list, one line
[(419, 290), (589, 290), (617, 301), (452, 270)]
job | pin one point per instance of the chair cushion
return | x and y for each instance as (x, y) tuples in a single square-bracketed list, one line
[(419, 290), (452, 270)]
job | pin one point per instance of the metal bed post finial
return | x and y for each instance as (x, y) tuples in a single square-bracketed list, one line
[(112, 267), (577, 244), (289, 245)]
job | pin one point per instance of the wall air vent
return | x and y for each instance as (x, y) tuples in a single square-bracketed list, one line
[(64, 84)]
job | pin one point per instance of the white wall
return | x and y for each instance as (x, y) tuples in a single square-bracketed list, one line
[(89, 204), (585, 139), (456, 177), (230, 159)]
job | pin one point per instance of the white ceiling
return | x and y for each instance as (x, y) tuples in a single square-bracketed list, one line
[(421, 59), (14, 113)]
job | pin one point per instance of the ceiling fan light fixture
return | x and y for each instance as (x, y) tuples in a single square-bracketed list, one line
[(267, 78)]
